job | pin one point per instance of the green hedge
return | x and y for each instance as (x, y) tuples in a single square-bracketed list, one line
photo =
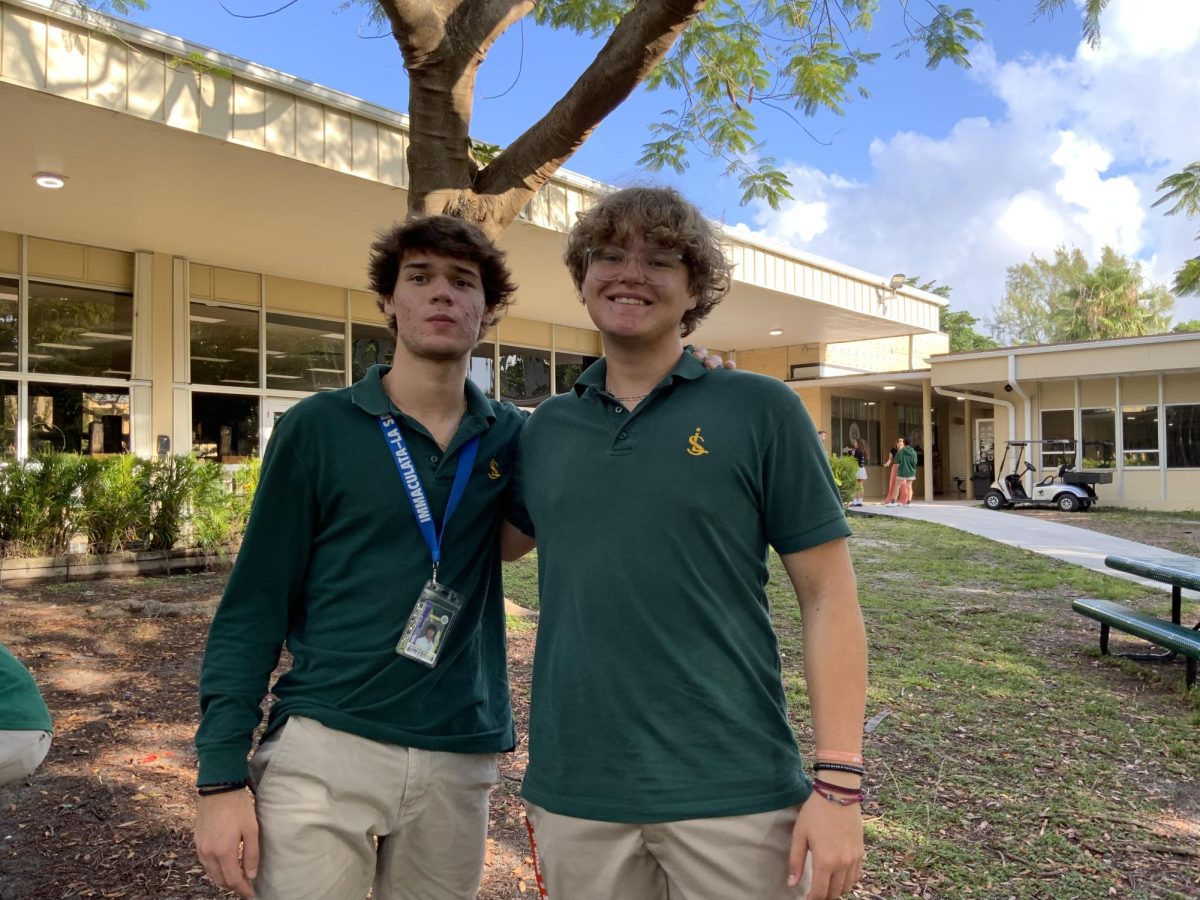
[(845, 468), (121, 503)]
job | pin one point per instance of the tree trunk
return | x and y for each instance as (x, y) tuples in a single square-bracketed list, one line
[(445, 41)]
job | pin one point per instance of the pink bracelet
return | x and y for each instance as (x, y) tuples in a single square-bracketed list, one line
[(835, 793), (838, 756)]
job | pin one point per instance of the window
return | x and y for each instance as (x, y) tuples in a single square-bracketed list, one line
[(9, 325), (79, 331), (567, 369), (305, 354), (1058, 425), (482, 370), (912, 429), (524, 375), (853, 420), (1183, 437), (69, 419), (370, 345), (224, 345), (1099, 438), (8, 419), (224, 426), (1139, 433)]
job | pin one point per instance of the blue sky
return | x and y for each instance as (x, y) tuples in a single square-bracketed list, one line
[(950, 175)]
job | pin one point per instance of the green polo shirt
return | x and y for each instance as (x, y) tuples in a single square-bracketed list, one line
[(332, 563), (21, 705), (657, 692)]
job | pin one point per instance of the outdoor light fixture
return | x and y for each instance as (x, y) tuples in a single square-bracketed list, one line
[(887, 289), (897, 281), (889, 387), (775, 332), (49, 180)]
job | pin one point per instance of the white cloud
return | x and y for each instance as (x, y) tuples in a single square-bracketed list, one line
[(1074, 159)]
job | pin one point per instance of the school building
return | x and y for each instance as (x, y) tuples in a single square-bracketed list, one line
[(179, 243)]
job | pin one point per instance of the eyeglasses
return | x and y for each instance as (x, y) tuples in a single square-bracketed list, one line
[(656, 264)]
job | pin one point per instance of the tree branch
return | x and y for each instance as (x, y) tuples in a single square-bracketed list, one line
[(636, 46)]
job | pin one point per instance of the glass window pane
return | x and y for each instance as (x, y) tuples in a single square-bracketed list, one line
[(524, 375), (855, 420), (305, 354), (224, 345), (1183, 437), (70, 419), (9, 326), (369, 345), (1099, 438), (8, 419), (224, 426), (79, 331), (1139, 432), (1058, 425), (567, 369), (482, 370)]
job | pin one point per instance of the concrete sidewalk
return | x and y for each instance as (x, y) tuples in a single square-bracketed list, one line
[(1066, 542)]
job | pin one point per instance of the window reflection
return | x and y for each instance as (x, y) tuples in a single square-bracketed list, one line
[(8, 419), (224, 426), (567, 369), (1139, 435), (224, 342), (369, 345), (482, 370), (68, 419), (1099, 438), (524, 375), (305, 354), (9, 325), (79, 331)]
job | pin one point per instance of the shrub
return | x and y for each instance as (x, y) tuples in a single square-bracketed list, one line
[(41, 501), (116, 511), (845, 468)]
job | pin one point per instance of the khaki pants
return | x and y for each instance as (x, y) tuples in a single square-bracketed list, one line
[(21, 752), (340, 814), (726, 858)]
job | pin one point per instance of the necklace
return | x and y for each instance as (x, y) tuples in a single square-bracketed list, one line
[(462, 415)]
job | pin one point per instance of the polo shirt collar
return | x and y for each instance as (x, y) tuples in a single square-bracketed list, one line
[(688, 368), (370, 396)]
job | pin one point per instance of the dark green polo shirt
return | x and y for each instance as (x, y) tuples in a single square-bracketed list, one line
[(21, 705), (332, 563), (657, 692)]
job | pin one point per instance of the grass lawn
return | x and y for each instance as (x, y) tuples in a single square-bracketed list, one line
[(1011, 760)]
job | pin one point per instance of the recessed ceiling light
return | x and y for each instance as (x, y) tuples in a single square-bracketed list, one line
[(56, 346), (211, 359), (775, 332), (889, 387), (106, 336), (316, 369), (49, 180), (207, 320)]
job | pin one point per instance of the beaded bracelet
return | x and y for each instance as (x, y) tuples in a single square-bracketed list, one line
[(223, 787)]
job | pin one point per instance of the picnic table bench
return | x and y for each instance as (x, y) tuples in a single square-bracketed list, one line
[(1174, 636)]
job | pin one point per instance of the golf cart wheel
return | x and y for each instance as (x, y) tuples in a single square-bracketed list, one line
[(1067, 502), (994, 500)]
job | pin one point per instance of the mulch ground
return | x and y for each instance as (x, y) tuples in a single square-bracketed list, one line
[(109, 813)]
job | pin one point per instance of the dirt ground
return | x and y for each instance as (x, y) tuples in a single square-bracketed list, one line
[(108, 814)]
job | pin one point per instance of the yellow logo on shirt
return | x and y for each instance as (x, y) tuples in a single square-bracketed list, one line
[(494, 470), (696, 445)]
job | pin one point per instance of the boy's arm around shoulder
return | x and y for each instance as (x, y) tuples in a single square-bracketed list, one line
[(835, 671)]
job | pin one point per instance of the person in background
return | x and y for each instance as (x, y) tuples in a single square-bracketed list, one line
[(859, 450), (25, 724), (906, 470), (890, 465)]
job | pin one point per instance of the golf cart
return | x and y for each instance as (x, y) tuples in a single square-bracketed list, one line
[(1066, 489)]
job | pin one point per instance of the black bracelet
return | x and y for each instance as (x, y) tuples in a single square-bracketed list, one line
[(840, 767), (224, 787)]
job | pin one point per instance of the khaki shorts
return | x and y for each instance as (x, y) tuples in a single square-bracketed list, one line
[(340, 814), (21, 752), (696, 859)]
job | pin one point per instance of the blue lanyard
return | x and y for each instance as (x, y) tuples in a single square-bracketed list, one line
[(416, 493)]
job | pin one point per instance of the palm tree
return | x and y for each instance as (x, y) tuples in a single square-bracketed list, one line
[(1112, 301), (1183, 190)]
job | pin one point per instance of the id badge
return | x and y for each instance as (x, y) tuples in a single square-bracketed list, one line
[(432, 617)]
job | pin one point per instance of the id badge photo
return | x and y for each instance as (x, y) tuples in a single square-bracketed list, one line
[(432, 618)]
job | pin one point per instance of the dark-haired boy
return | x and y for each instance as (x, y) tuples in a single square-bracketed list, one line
[(375, 515), (662, 763)]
